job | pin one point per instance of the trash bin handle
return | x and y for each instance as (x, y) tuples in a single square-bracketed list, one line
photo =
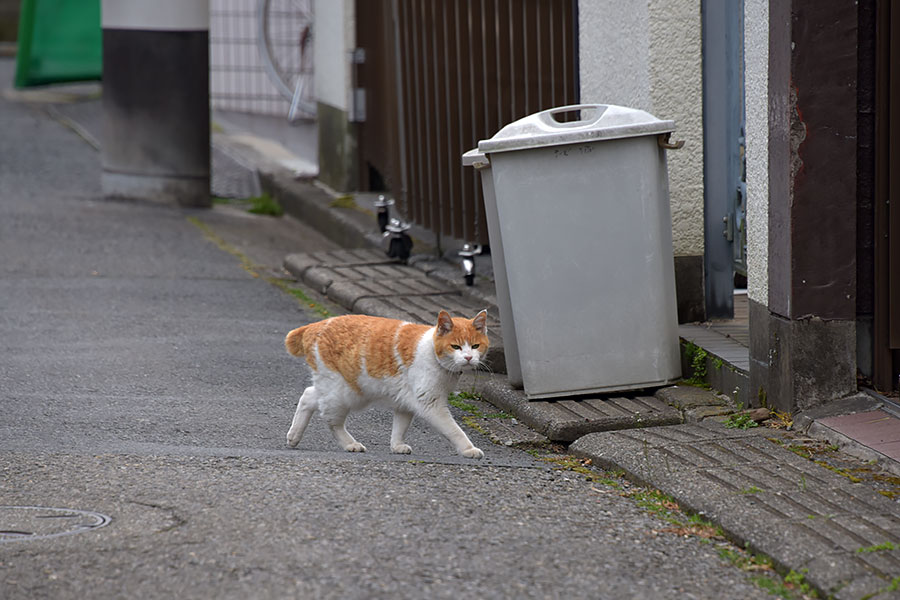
[(547, 117)]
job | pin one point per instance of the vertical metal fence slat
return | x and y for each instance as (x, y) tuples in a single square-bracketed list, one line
[(525, 65), (512, 63), (552, 50), (427, 73), (417, 89), (473, 127), (401, 178), (440, 132), (538, 51), (459, 212), (449, 135), (499, 79)]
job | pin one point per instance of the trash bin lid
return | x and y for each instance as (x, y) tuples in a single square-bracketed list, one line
[(475, 158), (574, 124)]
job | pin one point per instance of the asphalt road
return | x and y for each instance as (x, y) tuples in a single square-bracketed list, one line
[(143, 377)]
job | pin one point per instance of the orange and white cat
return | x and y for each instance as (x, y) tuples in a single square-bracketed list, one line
[(359, 360)]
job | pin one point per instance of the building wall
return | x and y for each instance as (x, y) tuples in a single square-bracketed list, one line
[(756, 98), (614, 53), (335, 37), (647, 54)]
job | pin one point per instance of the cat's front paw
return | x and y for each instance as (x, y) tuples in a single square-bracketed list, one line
[(292, 438), (401, 449), (473, 452), (355, 447)]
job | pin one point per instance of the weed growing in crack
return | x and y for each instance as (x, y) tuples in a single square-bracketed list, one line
[(458, 399), (264, 204), (697, 358), (740, 420), (886, 546)]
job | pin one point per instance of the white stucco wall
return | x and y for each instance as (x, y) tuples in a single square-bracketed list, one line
[(647, 54), (614, 53), (335, 38), (756, 61)]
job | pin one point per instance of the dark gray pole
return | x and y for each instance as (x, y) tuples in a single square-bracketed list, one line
[(723, 93), (156, 101)]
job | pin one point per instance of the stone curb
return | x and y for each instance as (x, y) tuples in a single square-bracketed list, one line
[(806, 518), (307, 202), (567, 420)]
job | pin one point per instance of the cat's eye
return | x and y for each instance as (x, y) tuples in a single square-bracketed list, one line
[(474, 346), (455, 347)]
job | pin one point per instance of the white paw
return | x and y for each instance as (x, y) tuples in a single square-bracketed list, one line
[(355, 447), (401, 449), (292, 439), (473, 453)]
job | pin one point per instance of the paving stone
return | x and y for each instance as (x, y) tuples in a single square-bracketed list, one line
[(322, 278), (865, 588), (687, 396), (347, 293), (378, 307), (567, 420), (510, 432), (424, 309), (298, 263), (763, 495), (699, 413), (342, 257), (837, 568)]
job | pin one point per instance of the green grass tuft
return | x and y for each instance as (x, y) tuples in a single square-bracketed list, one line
[(264, 204)]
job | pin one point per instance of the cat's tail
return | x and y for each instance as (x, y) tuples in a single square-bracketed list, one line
[(294, 341)]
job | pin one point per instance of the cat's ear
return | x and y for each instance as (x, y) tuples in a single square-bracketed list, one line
[(480, 322), (444, 323)]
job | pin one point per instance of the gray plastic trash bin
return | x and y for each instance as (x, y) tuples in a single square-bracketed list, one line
[(582, 213), (475, 158)]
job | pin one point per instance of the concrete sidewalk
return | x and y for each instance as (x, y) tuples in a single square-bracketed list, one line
[(837, 528)]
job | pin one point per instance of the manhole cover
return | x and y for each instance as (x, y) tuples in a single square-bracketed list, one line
[(19, 523)]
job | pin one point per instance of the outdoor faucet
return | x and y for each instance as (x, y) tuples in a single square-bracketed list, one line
[(382, 206), (399, 242), (468, 253)]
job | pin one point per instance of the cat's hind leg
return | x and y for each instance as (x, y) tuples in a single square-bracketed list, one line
[(402, 419), (307, 405)]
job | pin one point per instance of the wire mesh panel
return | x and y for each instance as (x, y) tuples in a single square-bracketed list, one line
[(259, 49), (458, 70)]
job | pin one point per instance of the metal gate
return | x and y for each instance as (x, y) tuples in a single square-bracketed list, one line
[(437, 77)]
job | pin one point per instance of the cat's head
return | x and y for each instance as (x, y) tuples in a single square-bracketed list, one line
[(460, 344)]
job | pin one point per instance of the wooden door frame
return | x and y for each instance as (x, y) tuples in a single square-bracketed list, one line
[(886, 334)]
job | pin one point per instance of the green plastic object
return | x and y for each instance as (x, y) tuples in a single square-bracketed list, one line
[(59, 40)]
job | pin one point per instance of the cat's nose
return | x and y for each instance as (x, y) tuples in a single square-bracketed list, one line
[(468, 358)]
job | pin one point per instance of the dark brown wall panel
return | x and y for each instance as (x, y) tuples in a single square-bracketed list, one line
[(450, 73)]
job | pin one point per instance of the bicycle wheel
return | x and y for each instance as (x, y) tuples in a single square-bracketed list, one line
[(286, 48)]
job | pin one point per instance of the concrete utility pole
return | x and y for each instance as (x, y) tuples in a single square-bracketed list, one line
[(156, 100)]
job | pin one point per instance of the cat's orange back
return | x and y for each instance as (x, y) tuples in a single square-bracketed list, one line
[(344, 344)]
